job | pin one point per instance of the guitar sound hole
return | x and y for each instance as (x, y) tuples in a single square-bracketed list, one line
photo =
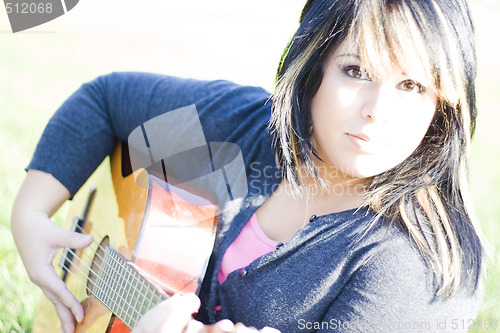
[(95, 267)]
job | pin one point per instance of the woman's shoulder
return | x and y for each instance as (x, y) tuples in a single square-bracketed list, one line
[(178, 86), (394, 271), (372, 280)]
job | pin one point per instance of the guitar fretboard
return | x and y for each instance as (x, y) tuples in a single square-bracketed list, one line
[(122, 289)]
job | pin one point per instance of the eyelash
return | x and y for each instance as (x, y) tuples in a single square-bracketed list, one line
[(420, 88), (348, 70)]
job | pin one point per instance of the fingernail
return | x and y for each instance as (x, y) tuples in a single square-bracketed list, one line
[(226, 325), (194, 326), (192, 298), (190, 295)]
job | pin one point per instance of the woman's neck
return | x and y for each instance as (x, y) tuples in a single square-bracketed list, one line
[(339, 192)]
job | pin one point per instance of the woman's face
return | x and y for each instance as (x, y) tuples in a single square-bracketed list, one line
[(363, 127)]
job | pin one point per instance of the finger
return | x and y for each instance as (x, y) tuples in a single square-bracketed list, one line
[(57, 292), (66, 317), (181, 309), (191, 302), (170, 316), (269, 330), (223, 326), (71, 239), (226, 326), (240, 328), (194, 326)]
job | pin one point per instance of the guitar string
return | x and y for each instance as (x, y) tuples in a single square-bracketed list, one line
[(120, 264), (95, 286), (111, 267), (146, 277), (112, 279), (130, 284), (124, 312), (124, 319), (98, 277), (93, 292)]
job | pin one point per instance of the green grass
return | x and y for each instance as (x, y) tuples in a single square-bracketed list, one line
[(39, 70), (18, 134), (485, 183)]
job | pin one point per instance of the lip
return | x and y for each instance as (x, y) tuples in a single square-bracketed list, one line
[(362, 137), (361, 142)]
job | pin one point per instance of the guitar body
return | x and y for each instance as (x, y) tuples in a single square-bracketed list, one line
[(157, 230)]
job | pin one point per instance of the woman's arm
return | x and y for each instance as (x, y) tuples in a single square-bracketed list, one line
[(394, 292), (38, 239), (75, 141), (86, 127), (175, 316), (83, 132)]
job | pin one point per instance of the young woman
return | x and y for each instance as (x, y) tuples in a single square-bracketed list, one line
[(357, 216)]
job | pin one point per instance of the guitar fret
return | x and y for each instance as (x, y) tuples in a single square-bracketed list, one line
[(112, 283), (126, 297), (136, 296), (130, 297), (158, 298), (143, 307), (123, 290), (103, 282), (149, 299), (120, 291), (99, 284), (106, 284), (138, 314), (113, 277), (119, 295)]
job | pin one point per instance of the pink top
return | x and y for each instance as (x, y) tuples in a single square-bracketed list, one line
[(250, 244)]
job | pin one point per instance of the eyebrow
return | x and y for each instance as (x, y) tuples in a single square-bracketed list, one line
[(353, 55)]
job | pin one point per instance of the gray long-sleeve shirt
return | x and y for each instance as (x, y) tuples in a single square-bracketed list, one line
[(325, 279)]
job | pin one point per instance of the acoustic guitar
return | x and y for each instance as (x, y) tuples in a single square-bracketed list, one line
[(151, 240)]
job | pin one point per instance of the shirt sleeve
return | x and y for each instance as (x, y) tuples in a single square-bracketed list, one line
[(87, 126), (394, 292)]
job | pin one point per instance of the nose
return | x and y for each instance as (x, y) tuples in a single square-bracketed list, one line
[(379, 102)]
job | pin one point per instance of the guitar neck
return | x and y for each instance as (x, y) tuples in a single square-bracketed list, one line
[(122, 289)]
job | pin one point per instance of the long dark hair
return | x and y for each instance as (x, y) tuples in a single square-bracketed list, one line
[(427, 193)]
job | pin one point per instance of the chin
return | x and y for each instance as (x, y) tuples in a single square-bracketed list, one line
[(366, 171)]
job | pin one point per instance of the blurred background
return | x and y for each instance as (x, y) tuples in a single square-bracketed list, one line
[(220, 39)]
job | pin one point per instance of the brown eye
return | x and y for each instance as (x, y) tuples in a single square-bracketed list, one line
[(411, 86), (357, 72)]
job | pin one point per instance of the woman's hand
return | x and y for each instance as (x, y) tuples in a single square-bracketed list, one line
[(38, 239), (175, 316), (172, 315)]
